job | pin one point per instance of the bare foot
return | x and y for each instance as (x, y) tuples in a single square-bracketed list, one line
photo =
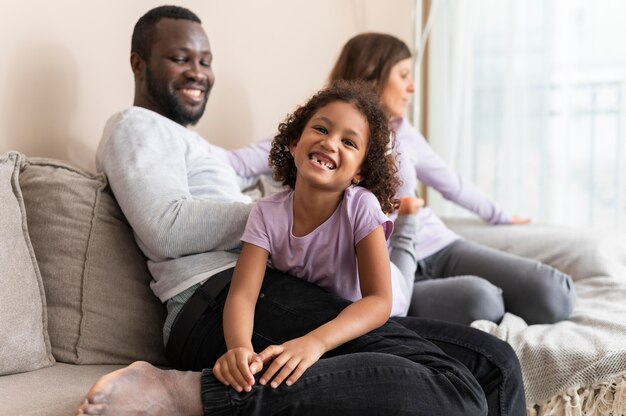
[(410, 205), (142, 389)]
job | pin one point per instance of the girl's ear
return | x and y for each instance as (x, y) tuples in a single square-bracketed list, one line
[(357, 179), (292, 147)]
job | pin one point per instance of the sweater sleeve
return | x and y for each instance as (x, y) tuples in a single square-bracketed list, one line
[(146, 168), (251, 160), (436, 173)]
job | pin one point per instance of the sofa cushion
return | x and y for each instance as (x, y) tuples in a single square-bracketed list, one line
[(100, 307), (24, 342), (52, 391)]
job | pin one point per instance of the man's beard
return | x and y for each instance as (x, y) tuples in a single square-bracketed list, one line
[(170, 104)]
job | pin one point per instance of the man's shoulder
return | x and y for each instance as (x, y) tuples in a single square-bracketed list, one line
[(142, 115)]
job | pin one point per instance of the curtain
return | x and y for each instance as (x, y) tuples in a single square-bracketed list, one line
[(527, 99)]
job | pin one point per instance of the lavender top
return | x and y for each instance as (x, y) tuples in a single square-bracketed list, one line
[(326, 256)]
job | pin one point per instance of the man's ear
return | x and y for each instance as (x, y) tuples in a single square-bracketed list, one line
[(138, 65)]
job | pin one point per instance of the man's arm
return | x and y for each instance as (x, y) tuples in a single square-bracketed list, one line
[(147, 172)]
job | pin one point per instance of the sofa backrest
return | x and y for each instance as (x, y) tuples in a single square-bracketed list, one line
[(99, 304)]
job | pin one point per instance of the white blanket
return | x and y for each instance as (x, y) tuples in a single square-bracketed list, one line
[(578, 364)]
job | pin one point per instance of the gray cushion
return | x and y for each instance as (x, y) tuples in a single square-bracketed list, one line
[(100, 307), (24, 343)]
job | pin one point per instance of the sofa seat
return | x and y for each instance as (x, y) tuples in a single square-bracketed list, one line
[(51, 391)]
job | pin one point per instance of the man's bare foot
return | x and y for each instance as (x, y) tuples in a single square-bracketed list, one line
[(142, 389), (410, 205)]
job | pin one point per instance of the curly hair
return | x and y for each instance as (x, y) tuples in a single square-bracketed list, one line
[(378, 169)]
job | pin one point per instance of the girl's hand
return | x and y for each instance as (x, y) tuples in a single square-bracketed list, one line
[(237, 367), (519, 220), (292, 359)]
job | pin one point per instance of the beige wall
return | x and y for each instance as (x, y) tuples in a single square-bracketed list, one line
[(64, 64)]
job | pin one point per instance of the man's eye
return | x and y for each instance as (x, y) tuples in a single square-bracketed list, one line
[(177, 60), (206, 64)]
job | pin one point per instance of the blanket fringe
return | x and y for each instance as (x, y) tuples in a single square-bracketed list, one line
[(602, 399)]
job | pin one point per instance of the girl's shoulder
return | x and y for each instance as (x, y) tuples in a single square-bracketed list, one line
[(274, 199), (356, 196)]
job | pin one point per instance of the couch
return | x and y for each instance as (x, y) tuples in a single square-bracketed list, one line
[(76, 302)]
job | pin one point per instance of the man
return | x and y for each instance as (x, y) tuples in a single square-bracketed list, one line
[(187, 212)]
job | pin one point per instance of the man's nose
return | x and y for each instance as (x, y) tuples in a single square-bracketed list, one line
[(197, 71)]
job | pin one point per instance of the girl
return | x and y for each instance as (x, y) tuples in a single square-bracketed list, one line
[(328, 228)]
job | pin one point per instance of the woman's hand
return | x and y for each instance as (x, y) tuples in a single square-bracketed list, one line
[(292, 359), (237, 367), (516, 220)]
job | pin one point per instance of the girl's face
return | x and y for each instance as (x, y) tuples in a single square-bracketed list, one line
[(332, 147), (397, 93)]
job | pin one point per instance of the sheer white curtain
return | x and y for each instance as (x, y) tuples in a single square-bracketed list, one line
[(527, 98)]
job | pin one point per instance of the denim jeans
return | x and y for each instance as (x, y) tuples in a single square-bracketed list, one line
[(389, 371), (466, 281)]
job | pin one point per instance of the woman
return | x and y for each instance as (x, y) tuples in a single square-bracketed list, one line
[(456, 280)]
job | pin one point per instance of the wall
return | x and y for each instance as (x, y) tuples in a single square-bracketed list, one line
[(64, 66)]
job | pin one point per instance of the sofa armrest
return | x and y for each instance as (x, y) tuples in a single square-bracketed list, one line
[(576, 251)]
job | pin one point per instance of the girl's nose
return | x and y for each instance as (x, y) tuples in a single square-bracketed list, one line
[(330, 142)]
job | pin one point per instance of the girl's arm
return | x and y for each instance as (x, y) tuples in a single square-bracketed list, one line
[(371, 311), (234, 367)]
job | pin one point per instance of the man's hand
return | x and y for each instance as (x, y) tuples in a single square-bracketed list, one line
[(292, 359), (237, 367)]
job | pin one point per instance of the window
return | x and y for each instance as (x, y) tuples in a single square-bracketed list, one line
[(529, 103)]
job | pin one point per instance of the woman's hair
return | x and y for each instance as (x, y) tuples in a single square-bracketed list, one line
[(378, 169), (369, 57)]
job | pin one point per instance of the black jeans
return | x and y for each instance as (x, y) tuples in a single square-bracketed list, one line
[(389, 371)]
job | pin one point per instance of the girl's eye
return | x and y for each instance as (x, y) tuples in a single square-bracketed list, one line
[(349, 142), (177, 60), (206, 64), (320, 129)]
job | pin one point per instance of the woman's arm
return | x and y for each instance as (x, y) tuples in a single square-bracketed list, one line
[(234, 367), (434, 172), (371, 311)]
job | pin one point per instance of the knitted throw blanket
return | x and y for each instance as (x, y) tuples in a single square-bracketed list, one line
[(575, 367)]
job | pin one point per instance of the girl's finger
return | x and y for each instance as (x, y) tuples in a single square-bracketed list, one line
[(271, 352), (217, 372), (276, 365), (285, 371), (297, 373)]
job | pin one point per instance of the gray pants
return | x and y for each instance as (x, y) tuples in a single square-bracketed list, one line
[(466, 281)]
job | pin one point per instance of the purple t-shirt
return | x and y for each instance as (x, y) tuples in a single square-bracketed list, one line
[(327, 255)]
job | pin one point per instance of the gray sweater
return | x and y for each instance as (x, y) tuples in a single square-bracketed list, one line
[(179, 194)]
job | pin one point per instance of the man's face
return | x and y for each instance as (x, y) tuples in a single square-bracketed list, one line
[(178, 75)]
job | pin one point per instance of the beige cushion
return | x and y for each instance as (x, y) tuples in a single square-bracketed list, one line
[(100, 307), (24, 343), (52, 391)]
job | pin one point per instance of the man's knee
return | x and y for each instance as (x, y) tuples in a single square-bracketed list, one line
[(461, 299)]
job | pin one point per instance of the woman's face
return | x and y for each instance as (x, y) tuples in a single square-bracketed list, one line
[(397, 93)]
